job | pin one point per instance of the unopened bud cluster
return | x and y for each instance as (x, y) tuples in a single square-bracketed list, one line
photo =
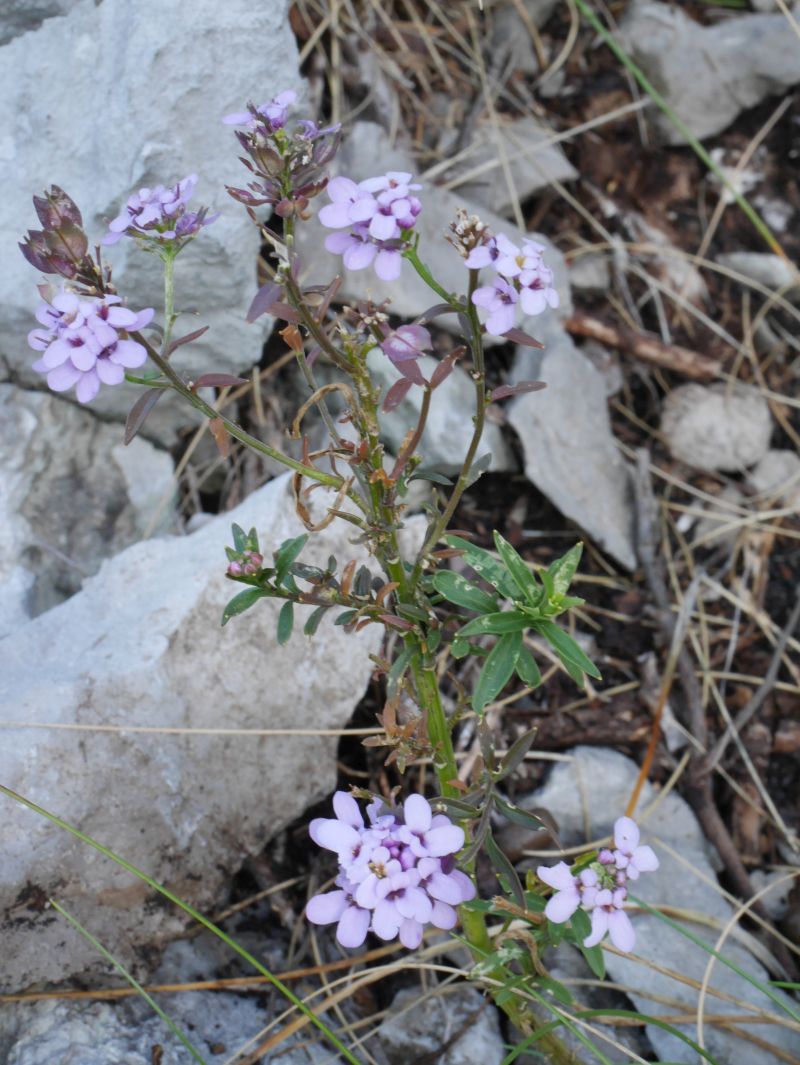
[(246, 564)]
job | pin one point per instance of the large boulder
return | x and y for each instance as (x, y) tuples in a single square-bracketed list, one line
[(71, 495), (140, 648), (114, 96)]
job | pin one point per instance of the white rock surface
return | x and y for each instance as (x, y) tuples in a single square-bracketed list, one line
[(709, 74), (449, 428), (586, 795), (114, 96), (141, 645), (570, 451), (71, 495), (533, 163), (366, 151), (420, 1025), (716, 427), (777, 478)]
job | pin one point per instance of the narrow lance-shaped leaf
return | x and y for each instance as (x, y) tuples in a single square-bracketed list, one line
[(457, 589), (528, 669), (313, 620), (515, 755), (139, 412), (286, 554), (285, 623), (496, 624), (486, 566), (519, 570), (563, 569), (505, 869), (566, 648), (241, 602), (504, 391), (497, 670)]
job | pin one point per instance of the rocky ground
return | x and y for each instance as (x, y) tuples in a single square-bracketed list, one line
[(667, 439)]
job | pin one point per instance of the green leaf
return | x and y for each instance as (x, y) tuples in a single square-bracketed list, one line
[(397, 671), (486, 566), (241, 602), (527, 669), (239, 538), (556, 989), (497, 670), (519, 570), (496, 624), (581, 924), (566, 648), (506, 871), (516, 752), (457, 808), (457, 589), (425, 473), (286, 554), (411, 612), (313, 620), (285, 623), (595, 959), (563, 569), (519, 816), (459, 648), (345, 617), (478, 468)]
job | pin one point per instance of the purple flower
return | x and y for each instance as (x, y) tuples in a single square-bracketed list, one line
[(406, 342), (272, 115), (397, 873), (536, 292), (160, 214), (500, 300), (600, 888), (376, 213), (84, 342), (629, 856)]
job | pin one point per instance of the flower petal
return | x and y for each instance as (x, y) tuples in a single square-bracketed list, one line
[(411, 934), (562, 905), (87, 387), (327, 908), (417, 813), (599, 928), (626, 834), (620, 931), (645, 859), (63, 377), (353, 927), (442, 841), (347, 810), (388, 264)]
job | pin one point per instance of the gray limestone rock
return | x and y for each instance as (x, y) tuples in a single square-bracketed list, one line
[(570, 451), (769, 270), (22, 16), (422, 1024), (586, 795), (115, 96), (71, 495), (709, 74), (533, 164), (716, 427), (777, 478), (140, 645)]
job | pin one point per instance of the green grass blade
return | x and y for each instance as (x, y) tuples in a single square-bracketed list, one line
[(274, 980), (765, 989), (645, 83), (98, 946)]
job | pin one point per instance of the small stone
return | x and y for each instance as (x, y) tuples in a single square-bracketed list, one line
[(570, 451), (722, 520), (777, 478), (717, 427), (590, 273), (772, 271), (422, 1024), (779, 886), (533, 164)]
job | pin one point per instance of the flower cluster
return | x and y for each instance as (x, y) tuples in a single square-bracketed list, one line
[(160, 215), (601, 888), (287, 167), (522, 280), (397, 873), (377, 214), (84, 342), (245, 564)]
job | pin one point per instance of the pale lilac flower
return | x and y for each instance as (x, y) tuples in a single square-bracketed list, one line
[(500, 300), (160, 214), (272, 114), (567, 898), (536, 291), (629, 856), (609, 916), (406, 342), (352, 921), (398, 870), (84, 342), (376, 213), (601, 887)]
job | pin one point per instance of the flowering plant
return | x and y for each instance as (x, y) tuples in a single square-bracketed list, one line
[(410, 864)]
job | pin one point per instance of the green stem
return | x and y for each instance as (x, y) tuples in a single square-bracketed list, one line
[(235, 430), (411, 255), (169, 300)]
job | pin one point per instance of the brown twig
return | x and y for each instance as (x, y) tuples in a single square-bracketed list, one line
[(645, 347)]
